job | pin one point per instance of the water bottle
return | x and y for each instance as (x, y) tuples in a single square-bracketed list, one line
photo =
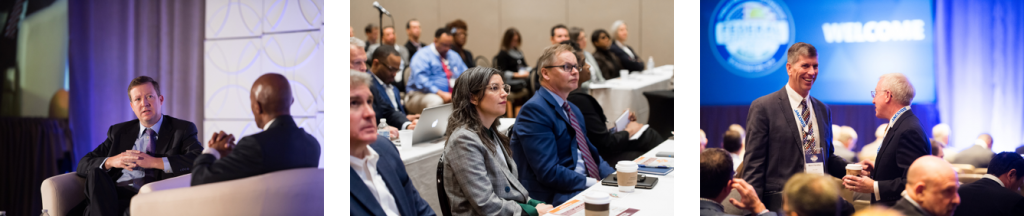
[(650, 62), (382, 128), (43, 214)]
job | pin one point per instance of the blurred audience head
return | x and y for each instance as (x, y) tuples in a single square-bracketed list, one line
[(937, 150), (559, 33), (619, 31), (880, 132), (703, 140), (386, 63), (848, 136), (1008, 166), (357, 57), (941, 133), (877, 210), (511, 40), (808, 194), (578, 36), (371, 33), (442, 41), (715, 174), (602, 40), (389, 35), (892, 92), (932, 183), (732, 142), (985, 139), (363, 125), (739, 128), (459, 31), (412, 28)]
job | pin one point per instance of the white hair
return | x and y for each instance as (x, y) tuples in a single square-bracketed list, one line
[(899, 85), (940, 130), (880, 132), (615, 29), (836, 130), (356, 42), (358, 78), (847, 132)]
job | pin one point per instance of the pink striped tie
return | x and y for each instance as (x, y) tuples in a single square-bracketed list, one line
[(581, 143)]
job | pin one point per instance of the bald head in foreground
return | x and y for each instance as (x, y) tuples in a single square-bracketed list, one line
[(281, 145), (931, 188)]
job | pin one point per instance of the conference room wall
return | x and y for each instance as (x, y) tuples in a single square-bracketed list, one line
[(650, 22)]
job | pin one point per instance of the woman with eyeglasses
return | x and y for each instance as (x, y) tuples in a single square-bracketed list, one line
[(603, 55), (480, 176)]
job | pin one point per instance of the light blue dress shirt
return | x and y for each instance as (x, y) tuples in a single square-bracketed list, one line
[(580, 167), (140, 146)]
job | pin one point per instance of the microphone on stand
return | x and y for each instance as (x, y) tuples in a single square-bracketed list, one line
[(381, 9)]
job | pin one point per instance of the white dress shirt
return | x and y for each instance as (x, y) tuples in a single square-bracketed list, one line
[(794, 102), (366, 168), (143, 148)]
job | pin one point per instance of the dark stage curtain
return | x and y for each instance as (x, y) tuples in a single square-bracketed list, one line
[(715, 120), (30, 151)]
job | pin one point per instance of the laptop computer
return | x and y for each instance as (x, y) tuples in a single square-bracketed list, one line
[(432, 124)]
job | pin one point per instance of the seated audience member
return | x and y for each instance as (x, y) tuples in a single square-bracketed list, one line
[(996, 192), (732, 143), (559, 33), (281, 145), (1020, 149), (458, 30), (578, 36), (940, 132), (477, 156), (378, 182), (877, 210), (627, 55), (931, 188), (412, 29), (390, 40), (603, 55), (614, 146), (432, 74), (372, 33), (151, 148), (716, 182), (937, 150), (869, 151), (978, 155), (703, 140), (510, 59), (808, 194), (847, 138), (386, 101), (357, 58), (549, 143)]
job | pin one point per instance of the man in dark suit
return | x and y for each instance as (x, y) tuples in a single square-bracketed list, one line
[(412, 28), (386, 101), (904, 142), (151, 148), (978, 155), (282, 144), (996, 192), (931, 189), (555, 158), (716, 182), (378, 182), (788, 132)]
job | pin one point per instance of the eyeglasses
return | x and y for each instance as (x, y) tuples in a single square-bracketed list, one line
[(494, 87), (566, 67), (391, 68), (873, 93)]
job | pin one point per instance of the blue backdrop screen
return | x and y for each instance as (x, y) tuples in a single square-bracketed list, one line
[(744, 43)]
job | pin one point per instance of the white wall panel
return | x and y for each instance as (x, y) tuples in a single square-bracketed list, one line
[(292, 15), (233, 18), (230, 67), (299, 57)]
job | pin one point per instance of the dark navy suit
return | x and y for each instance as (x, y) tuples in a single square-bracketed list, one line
[(544, 148), (382, 105), (392, 170)]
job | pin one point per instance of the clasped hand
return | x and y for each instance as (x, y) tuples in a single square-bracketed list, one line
[(222, 142), (133, 159)]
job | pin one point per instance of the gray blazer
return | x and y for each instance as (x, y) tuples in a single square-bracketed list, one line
[(477, 181)]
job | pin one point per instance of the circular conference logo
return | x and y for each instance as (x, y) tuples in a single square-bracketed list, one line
[(750, 37)]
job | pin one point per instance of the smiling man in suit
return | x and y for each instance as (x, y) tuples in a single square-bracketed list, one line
[(904, 142), (788, 132), (151, 148)]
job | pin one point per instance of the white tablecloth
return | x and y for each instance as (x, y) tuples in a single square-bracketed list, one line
[(420, 161), (617, 95), (656, 201)]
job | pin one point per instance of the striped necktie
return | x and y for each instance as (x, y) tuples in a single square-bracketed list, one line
[(581, 143), (809, 134)]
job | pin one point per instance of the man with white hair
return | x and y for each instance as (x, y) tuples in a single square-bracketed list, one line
[(905, 142), (869, 151), (940, 133), (846, 137), (978, 155)]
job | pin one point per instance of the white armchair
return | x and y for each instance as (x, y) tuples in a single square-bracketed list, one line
[(62, 192), (286, 192)]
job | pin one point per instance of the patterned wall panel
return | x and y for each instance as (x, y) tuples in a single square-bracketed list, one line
[(292, 15), (299, 57), (233, 18), (230, 68)]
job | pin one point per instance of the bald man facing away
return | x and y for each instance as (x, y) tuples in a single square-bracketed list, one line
[(282, 144), (931, 188)]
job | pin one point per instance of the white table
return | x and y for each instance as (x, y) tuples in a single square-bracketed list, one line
[(420, 161), (656, 201), (617, 95)]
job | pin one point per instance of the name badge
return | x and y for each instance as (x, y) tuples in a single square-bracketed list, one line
[(815, 168)]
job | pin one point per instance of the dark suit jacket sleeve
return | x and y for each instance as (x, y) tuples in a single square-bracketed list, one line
[(182, 158), (624, 60), (420, 205), (384, 110), (596, 130), (97, 156), (535, 135), (757, 148), (911, 146), (244, 161), (836, 165)]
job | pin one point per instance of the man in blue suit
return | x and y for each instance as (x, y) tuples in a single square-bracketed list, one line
[(433, 71), (378, 182), (386, 101), (556, 160)]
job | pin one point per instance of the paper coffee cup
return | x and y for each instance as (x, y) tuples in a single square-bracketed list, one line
[(624, 74), (596, 204), (626, 174), (854, 169)]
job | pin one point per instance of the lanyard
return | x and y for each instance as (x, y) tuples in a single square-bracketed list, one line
[(893, 121)]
